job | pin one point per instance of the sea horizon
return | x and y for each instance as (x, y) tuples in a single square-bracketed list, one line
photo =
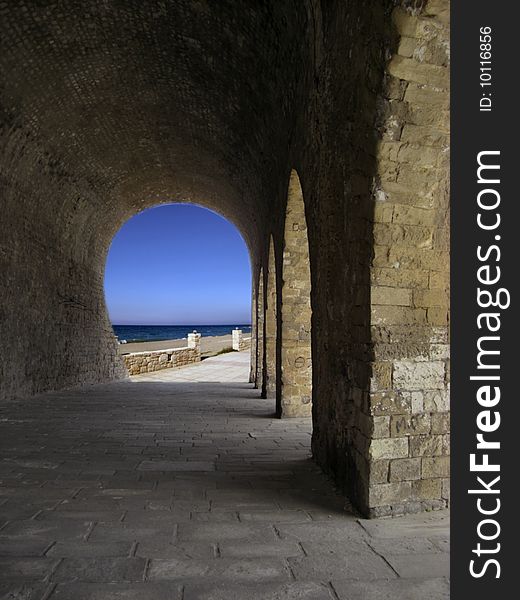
[(149, 333)]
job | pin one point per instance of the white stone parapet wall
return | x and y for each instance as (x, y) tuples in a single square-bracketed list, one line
[(240, 343), (148, 362)]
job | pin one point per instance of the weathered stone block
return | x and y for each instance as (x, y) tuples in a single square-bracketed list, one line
[(438, 316), (402, 425), (389, 493), (397, 315), (389, 448), (430, 298), (405, 24), (381, 376), (406, 47), (385, 403), (405, 469), (391, 295), (440, 423), (379, 471), (383, 212), (446, 489), (438, 466), (437, 401), (424, 489), (424, 135), (406, 278), (423, 375), (425, 94), (411, 70), (426, 445), (417, 401), (381, 427)]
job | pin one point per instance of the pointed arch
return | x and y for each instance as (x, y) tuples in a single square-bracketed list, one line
[(296, 360), (270, 324)]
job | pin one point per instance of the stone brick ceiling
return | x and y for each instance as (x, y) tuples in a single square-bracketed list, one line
[(136, 103)]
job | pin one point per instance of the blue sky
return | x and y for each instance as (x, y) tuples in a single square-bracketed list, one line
[(178, 264)]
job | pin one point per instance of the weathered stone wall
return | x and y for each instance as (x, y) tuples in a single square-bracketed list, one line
[(409, 399), (378, 234), (138, 363)]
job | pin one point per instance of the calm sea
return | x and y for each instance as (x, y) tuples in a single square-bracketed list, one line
[(149, 333)]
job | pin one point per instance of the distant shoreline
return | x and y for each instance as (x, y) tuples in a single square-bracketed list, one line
[(210, 345), (138, 334)]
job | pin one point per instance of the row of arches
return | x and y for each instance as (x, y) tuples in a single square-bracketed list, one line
[(281, 350)]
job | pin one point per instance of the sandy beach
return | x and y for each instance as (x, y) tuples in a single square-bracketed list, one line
[(209, 345)]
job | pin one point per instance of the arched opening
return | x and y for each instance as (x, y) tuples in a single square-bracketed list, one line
[(270, 324), (296, 361), (170, 270)]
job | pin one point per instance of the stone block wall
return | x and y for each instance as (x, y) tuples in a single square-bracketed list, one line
[(409, 389), (148, 362), (377, 215)]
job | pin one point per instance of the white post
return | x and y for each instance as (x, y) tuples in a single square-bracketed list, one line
[(194, 341), (237, 339)]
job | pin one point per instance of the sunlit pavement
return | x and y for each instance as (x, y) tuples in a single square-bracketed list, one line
[(182, 485)]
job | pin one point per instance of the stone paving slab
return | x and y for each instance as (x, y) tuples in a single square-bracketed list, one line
[(398, 589), (89, 549), (23, 591), (182, 485), (257, 570), (106, 569), (118, 591), (288, 591)]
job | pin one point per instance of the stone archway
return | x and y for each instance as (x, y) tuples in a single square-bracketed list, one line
[(87, 142), (296, 360)]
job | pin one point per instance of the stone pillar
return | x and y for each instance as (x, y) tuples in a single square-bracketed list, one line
[(270, 326), (296, 361), (194, 341), (254, 340), (408, 436), (237, 336), (260, 333)]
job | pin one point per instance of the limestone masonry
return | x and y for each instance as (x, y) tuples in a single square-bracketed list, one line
[(147, 362)]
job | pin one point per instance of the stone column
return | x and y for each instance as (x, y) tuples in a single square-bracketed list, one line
[(260, 332), (270, 326), (408, 426), (296, 309), (254, 340)]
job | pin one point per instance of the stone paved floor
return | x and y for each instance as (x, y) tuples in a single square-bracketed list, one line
[(181, 485)]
